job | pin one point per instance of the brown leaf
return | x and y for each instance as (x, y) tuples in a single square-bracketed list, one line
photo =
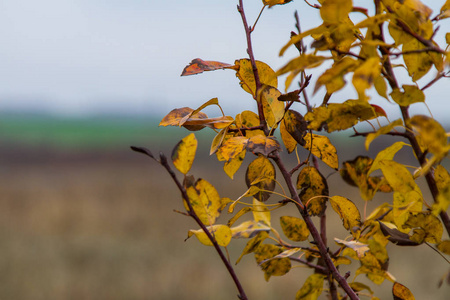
[(263, 145), (295, 125), (198, 66), (176, 115)]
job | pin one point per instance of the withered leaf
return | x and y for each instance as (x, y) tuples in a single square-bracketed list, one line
[(197, 66)]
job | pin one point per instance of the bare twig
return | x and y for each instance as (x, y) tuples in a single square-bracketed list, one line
[(258, 85), (320, 269), (191, 212)]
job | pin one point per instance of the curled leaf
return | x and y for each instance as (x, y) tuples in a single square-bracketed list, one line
[(197, 66), (220, 233)]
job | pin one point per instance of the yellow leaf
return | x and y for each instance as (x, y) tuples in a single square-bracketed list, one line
[(335, 11), (386, 154), (312, 185), (271, 267), (297, 38), (248, 119), (230, 167), (184, 153), (205, 201), (294, 228), (261, 173), (359, 248), (253, 244), (358, 287), (364, 76), (432, 134), (417, 64), (275, 2), (221, 233), (382, 130), (340, 116), (348, 212), (312, 288), (247, 78), (232, 147), (249, 229), (412, 94), (381, 87), (333, 78), (444, 247), (260, 212), (299, 64), (289, 142), (321, 147), (273, 109), (217, 141), (431, 225), (401, 292)]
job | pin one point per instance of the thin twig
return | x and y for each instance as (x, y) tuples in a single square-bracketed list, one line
[(320, 269), (258, 85), (191, 212)]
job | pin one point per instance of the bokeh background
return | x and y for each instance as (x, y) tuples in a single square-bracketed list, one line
[(83, 217)]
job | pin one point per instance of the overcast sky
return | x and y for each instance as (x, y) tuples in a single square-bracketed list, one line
[(76, 57)]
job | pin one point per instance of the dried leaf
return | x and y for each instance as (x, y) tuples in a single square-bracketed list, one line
[(176, 115), (432, 134), (232, 147), (248, 229), (217, 141), (261, 144), (197, 66), (275, 2)]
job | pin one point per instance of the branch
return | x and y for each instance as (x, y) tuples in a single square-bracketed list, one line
[(320, 269), (248, 31), (191, 212), (313, 230)]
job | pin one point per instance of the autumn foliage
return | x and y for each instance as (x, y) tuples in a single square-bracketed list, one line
[(357, 54)]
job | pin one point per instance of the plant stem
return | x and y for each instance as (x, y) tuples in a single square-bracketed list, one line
[(313, 230), (248, 32), (192, 214)]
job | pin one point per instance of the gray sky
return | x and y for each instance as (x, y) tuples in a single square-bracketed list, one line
[(76, 57)]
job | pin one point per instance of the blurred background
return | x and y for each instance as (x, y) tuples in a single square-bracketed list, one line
[(83, 217)]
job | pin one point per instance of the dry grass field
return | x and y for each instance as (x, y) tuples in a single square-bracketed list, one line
[(84, 224)]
